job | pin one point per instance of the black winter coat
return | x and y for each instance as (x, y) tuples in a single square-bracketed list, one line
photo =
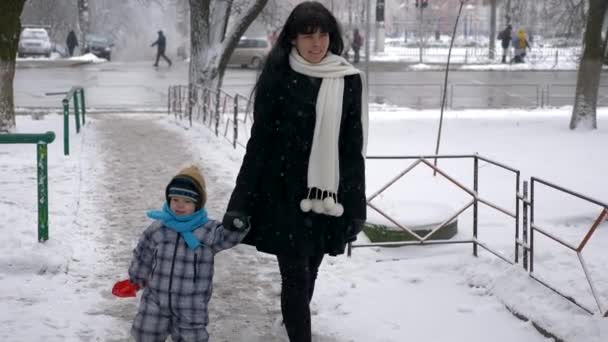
[(161, 43), (273, 177)]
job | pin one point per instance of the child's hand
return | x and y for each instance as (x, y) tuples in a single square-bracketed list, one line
[(125, 288), (235, 221)]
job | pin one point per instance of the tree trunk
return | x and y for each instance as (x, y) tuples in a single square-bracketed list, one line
[(10, 29), (212, 41), (590, 69), (84, 22)]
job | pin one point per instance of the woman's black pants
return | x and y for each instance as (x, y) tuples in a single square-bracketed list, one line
[(298, 275)]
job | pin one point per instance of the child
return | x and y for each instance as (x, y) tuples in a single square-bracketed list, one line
[(173, 263)]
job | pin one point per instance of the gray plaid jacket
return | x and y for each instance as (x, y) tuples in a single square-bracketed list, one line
[(178, 278)]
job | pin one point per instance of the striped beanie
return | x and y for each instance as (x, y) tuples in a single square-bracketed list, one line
[(190, 184)]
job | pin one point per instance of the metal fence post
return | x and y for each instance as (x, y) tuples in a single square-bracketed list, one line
[(475, 204), (517, 217), (169, 100), (236, 120), (531, 244), (190, 100), (66, 127), (525, 226), (84, 108), (217, 113), (76, 111), (43, 205)]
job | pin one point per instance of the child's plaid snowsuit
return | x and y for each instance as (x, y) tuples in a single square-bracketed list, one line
[(177, 281)]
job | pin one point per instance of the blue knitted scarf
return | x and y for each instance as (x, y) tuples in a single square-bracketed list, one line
[(183, 224)]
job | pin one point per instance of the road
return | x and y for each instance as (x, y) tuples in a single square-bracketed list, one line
[(138, 85)]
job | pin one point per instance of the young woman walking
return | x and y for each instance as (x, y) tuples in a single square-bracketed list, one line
[(302, 180)]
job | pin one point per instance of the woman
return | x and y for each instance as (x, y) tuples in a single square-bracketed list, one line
[(302, 180)]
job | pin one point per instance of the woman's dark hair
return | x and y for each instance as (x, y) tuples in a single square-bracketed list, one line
[(307, 17)]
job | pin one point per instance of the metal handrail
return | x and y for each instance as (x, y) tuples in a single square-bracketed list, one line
[(41, 141), (76, 94)]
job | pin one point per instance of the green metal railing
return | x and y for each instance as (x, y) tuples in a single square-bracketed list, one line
[(76, 94), (41, 140)]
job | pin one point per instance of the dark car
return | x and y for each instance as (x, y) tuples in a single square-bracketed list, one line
[(99, 45)]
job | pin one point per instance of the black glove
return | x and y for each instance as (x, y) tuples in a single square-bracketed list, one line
[(234, 220), (353, 229)]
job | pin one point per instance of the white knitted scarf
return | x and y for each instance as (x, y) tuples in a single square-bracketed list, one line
[(323, 163)]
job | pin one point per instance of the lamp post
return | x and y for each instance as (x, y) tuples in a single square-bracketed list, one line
[(379, 47)]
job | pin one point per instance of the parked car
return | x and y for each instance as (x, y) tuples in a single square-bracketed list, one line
[(99, 45), (34, 42), (250, 52)]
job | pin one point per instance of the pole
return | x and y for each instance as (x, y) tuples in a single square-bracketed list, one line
[(368, 28), (445, 83), (66, 127), (43, 203), (420, 40)]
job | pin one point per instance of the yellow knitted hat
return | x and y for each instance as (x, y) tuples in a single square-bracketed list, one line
[(192, 175)]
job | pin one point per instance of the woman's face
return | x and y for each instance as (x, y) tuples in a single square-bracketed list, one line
[(312, 46)]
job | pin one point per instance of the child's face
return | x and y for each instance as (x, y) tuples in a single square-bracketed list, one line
[(182, 206), (312, 47)]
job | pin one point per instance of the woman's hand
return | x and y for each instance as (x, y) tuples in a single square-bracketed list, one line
[(234, 220), (353, 229)]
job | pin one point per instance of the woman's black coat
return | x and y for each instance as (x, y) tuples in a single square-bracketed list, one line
[(273, 177)]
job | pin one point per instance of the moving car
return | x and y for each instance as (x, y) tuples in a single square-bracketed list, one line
[(250, 52), (99, 45), (34, 42)]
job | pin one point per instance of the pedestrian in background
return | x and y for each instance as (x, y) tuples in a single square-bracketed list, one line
[(71, 42), (161, 44), (505, 39), (357, 44), (302, 179), (520, 46)]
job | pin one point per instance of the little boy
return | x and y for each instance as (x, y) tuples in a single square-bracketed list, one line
[(173, 263)]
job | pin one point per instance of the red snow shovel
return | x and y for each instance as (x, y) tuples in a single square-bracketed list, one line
[(125, 288)]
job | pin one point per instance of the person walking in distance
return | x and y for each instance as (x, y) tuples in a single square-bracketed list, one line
[(302, 180), (505, 39), (161, 44), (357, 44), (71, 42)]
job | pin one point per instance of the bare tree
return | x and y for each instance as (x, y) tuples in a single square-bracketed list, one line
[(10, 29), (84, 23), (213, 40), (275, 13), (590, 69)]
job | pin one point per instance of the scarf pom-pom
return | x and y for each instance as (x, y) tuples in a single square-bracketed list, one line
[(317, 206), (328, 204), (337, 210), (305, 205)]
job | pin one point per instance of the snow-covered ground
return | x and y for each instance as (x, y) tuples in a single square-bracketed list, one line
[(119, 165), (57, 61)]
